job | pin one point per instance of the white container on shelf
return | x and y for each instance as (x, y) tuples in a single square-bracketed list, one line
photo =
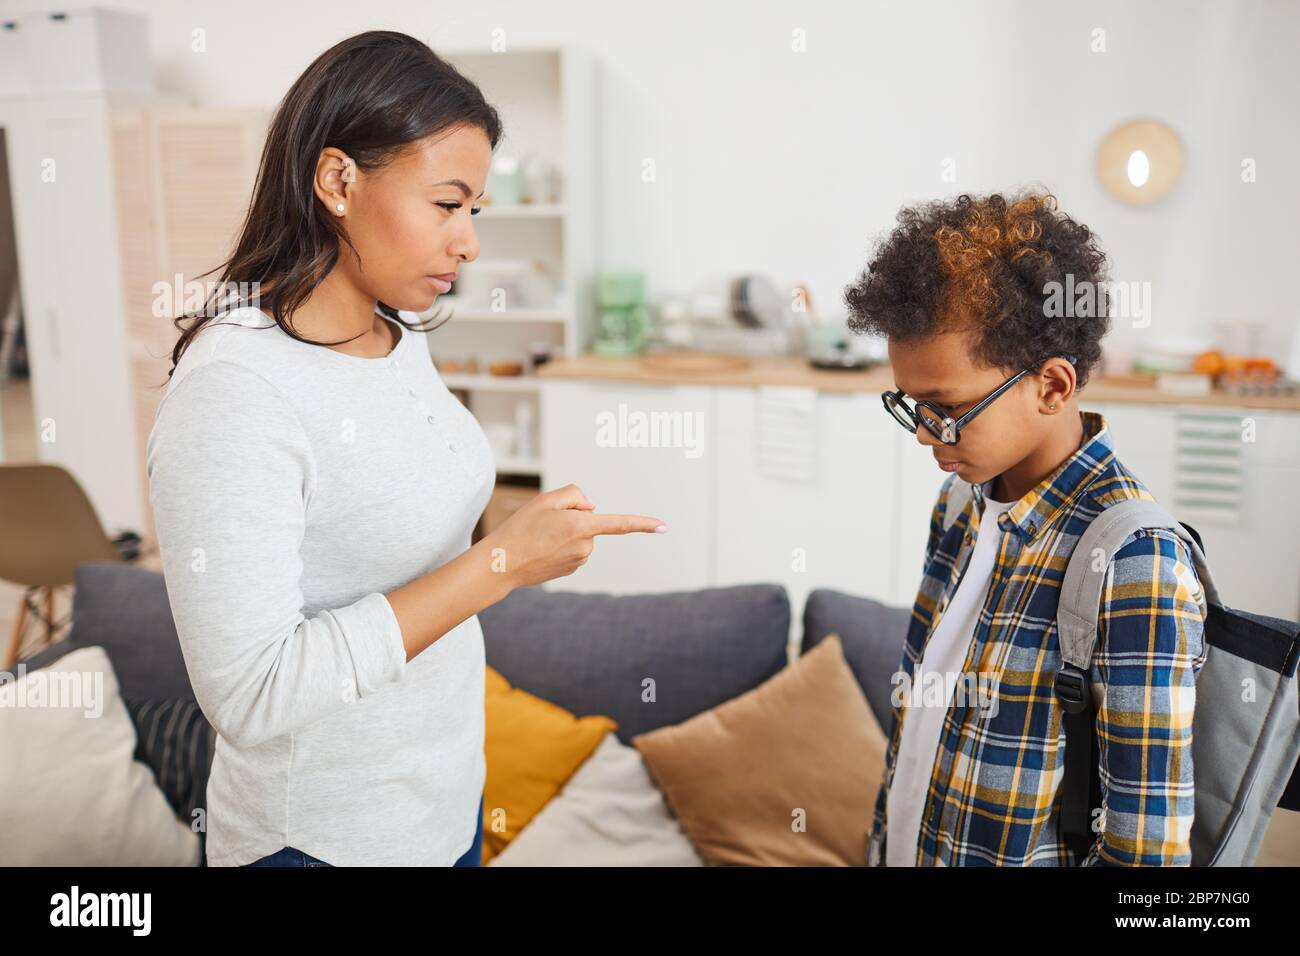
[(505, 284), (87, 51), (500, 438), (525, 446)]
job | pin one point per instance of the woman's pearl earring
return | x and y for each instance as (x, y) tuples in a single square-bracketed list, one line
[(349, 175)]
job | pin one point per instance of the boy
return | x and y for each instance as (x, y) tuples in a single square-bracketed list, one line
[(988, 375)]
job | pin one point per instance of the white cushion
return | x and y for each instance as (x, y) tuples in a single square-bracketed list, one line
[(71, 791), (609, 813)]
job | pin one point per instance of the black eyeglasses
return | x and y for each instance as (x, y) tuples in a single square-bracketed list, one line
[(937, 422)]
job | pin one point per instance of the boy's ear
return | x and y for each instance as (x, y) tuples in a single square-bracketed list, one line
[(1056, 384)]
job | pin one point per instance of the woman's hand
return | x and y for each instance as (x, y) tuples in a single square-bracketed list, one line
[(547, 538), (552, 536)]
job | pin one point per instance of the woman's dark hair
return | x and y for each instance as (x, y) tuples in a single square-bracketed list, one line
[(370, 96), (998, 263)]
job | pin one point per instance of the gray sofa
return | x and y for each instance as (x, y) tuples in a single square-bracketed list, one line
[(583, 652)]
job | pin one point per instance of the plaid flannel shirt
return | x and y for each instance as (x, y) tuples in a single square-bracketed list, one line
[(995, 788)]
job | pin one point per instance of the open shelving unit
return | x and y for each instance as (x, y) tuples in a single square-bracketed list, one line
[(546, 99)]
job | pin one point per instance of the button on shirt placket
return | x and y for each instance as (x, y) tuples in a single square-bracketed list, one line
[(959, 564), (395, 365)]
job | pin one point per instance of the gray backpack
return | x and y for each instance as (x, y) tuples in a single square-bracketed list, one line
[(1243, 752)]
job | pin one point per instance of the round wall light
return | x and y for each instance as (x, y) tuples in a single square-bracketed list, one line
[(1140, 162)]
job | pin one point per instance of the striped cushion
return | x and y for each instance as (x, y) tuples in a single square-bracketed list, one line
[(176, 741)]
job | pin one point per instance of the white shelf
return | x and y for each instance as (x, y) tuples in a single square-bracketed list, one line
[(522, 211), (461, 314), (490, 383), (546, 98)]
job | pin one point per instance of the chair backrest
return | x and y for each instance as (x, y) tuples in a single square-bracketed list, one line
[(49, 526)]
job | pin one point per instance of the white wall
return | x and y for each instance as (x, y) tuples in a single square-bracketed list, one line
[(791, 163)]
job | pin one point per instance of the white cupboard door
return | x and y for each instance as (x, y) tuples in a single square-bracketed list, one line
[(1227, 472), (805, 485), (919, 479), (1256, 561), (1145, 441), (636, 449), (63, 193)]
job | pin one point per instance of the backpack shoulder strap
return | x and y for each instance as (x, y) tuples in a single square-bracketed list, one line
[(1085, 574), (1076, 619)]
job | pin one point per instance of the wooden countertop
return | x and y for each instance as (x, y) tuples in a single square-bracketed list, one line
[(796, 372)]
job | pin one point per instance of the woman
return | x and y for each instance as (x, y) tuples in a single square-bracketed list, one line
[(314, 500)]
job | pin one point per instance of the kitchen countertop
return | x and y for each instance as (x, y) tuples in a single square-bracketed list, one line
[(795, 372)]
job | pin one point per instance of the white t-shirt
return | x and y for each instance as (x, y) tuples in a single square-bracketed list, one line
[(943, 657), (292, 487)]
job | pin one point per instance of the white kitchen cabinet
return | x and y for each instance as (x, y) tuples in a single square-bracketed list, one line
[(62, 183), (806, 489), (671, 483), (1230, 474), (918, 481), (1143, 437), (790, 487), (816, 489)]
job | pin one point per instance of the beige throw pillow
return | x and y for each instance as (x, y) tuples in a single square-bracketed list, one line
[(71, 791), (783, 775)]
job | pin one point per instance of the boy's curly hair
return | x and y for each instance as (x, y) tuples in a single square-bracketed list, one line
[(986, 262)]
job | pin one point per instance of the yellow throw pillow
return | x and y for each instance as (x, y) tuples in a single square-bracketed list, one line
[(783, 775), (532, 748)]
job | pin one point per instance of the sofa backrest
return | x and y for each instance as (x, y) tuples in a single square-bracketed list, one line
[(872, 635), (588, 653), (125, 610), (595, 653)]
